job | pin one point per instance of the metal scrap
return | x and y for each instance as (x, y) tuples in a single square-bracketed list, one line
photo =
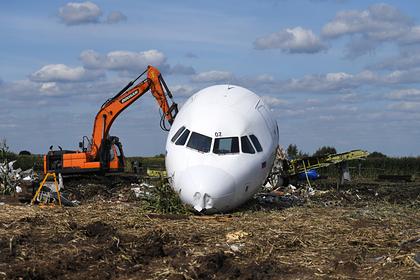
[(15, 180)]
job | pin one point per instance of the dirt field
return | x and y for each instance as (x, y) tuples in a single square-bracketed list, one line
[(367, 230)]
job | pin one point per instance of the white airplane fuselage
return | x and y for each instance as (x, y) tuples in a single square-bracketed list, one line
[(221, 148)]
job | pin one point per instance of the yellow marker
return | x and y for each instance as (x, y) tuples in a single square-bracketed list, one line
[(42, 184)]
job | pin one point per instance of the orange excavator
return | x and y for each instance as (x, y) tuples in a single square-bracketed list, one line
[(103, 153)]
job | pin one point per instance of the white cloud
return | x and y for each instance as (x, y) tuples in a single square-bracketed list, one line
[(180, 69), (126, 60), (412, 37), (264, 78), (406, 106), (326, 118), (380, 21), (115, 17), (327, 82), (403, 76), (272, 101), (342, 82), (18, 89), (74, 13), (123, 60), (405, 60), (191, 55), (291, 40), (182, 90), (213, 76), (49, 89), (91, 59), (405, 94), (369, 28), (64, 73)]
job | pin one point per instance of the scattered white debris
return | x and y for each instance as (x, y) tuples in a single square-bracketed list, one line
[(11, 179), (141, 190), (311, 191), (290, 189), (236, 247)]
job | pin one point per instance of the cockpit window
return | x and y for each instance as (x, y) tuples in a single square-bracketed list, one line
[(256, 143), (246, 146), (229, 145), (178, 133), (199, 142), (181, 140)]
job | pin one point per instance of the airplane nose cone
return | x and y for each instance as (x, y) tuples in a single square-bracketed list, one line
[(207, 189)]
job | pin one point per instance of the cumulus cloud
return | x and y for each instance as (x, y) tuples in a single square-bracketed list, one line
[(49, 89), (115, 17), (330, 82), (212, 76), (123, 60), (18, 88), (74, 13), (342, 81), (64, 73), (371, 27), (411, 37), (91, 59), (183, 90), (406, 106), (337, 82), (191, 55), (403, 76), (404, 61), (179, 69), (405, 94), (291, 40), (272, 101), (265, 78), (126, 60)]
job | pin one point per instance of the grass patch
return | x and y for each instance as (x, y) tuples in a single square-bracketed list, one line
[(164, 200)]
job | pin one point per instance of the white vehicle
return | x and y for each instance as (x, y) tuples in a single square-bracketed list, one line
[(221, 148)]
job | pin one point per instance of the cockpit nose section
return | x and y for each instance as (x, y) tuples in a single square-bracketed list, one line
[(208, 189)]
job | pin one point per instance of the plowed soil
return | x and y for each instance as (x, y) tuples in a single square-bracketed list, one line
[(366, 230)]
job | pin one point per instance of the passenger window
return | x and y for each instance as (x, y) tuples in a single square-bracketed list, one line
[(178, 133), (199, 142), (256, 143), (228, 145), (246, 146), (181, 140)]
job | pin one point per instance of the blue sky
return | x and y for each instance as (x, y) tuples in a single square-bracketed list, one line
[(339, 73)]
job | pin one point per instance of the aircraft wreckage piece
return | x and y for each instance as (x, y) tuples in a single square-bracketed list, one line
[(221, 148)]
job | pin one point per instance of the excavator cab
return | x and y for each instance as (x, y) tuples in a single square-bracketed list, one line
[(111, 155)]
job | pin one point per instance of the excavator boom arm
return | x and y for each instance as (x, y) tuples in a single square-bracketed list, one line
[(114, 106)]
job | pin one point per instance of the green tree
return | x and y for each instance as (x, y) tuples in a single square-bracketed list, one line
[(376, 155), (4, 149), (4, 181), (325, 150), (292, 151)]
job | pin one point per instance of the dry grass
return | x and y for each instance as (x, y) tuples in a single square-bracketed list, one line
[(115, 240)]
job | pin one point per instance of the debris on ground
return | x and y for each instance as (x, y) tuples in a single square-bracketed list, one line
[(126, 227), (105, 240), (236, 235), (18, 184)]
